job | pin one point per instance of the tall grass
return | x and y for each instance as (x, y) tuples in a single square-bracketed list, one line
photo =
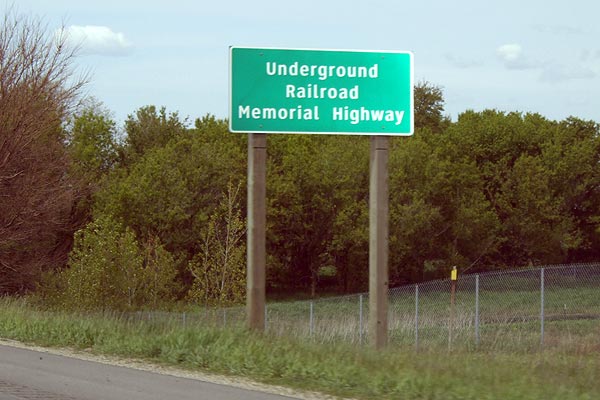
[(339, 369), (507, 317)]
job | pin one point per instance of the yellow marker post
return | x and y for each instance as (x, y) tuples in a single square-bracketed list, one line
[(453, 278)]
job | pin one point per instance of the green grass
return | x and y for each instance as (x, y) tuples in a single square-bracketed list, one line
[(339, 369)]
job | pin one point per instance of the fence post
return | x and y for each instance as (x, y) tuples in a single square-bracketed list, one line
[(542, 308), (183, 319), (417, 317), (360, 319), (265, 316), (311, 318), (224, 317), (477, 310)]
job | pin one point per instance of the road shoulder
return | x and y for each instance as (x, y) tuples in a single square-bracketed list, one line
[(237, 382)]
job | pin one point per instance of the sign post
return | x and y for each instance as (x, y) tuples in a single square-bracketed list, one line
[(274, 90), (378, 241), (256, 220)]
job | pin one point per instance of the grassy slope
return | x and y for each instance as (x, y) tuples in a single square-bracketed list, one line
[(341, 370)]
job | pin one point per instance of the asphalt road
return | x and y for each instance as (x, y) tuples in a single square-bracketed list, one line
[(27, 374)]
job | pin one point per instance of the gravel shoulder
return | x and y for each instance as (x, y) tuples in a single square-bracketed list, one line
[(236, 382)]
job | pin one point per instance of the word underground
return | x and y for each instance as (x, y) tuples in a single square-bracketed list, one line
[(353, 116)]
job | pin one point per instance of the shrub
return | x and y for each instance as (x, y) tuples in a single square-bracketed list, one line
[(108, 270)]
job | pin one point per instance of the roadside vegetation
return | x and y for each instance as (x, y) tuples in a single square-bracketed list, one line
[(336, 369)]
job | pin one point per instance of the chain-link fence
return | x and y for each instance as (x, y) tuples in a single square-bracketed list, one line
[(529, 309)]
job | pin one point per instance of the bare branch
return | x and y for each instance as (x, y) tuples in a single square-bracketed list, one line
[(38, 90)]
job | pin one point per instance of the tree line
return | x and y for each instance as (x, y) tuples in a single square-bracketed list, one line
[(95, 215)]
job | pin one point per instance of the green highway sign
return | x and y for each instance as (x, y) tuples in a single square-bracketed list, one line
[(276, 90)]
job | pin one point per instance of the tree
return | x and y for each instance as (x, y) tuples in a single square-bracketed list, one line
[(171, 190), (538, 177), (105, 268), (158, 275), (439, 216), (318, 189), (348, 249), (571, 156), (38, 90), (219, 270), (93, 147), (429, 106), (109, 270), (92, 143), (148, 129), (533, 214)]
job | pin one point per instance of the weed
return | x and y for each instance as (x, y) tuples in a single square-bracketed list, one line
[(335, 368)]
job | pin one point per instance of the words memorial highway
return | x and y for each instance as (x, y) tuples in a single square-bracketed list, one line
[(322, 73)]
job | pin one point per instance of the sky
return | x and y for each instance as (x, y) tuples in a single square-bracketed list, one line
[(510, 55)]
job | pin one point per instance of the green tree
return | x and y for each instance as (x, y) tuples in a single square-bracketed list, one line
[(523, 162), (533, 214), (571, 156), (93, 147), (219, 270), (348, 249), (105, 268), (158, 276), (316, 185), (109, 271), (429, 107), (171, 191), (153, 198), (93, 143), (148, 129), (439, 216)]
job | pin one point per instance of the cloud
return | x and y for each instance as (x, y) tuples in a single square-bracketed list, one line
[(589, 56), (460, 62), (558, 73), (586, 55), (97, 40), (559, 29), (512, 57), (509, 52)]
